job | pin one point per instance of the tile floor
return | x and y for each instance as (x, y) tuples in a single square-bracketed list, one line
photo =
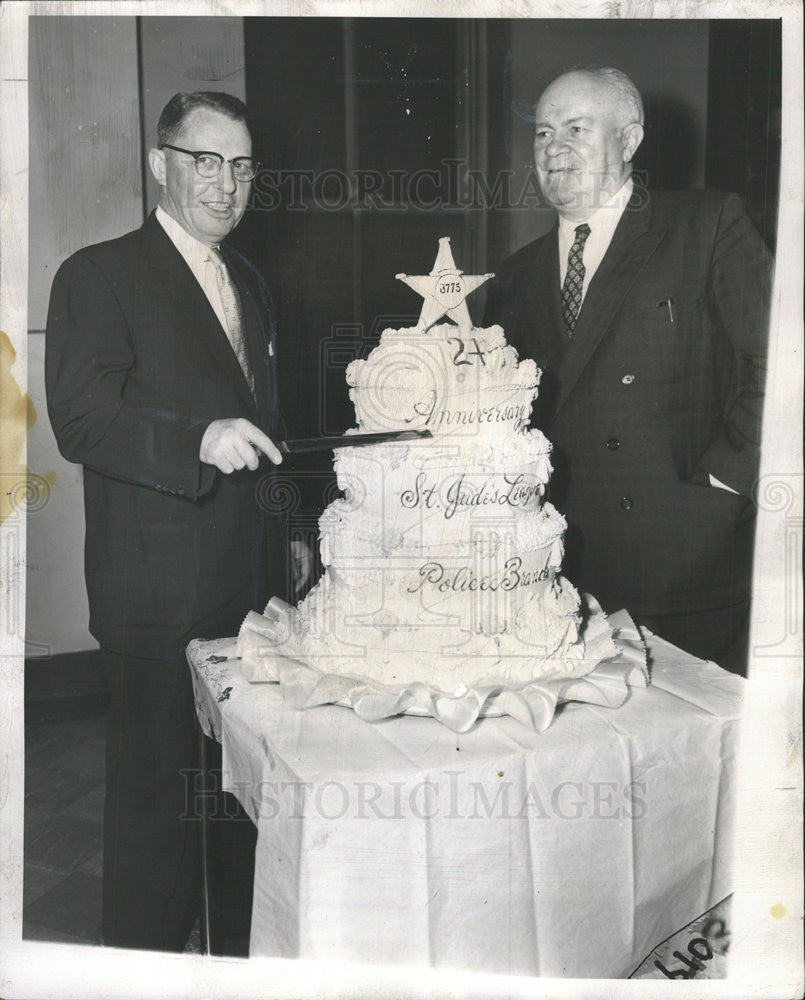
[(64, 791), (63, 830)]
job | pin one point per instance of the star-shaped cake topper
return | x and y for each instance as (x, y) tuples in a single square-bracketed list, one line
[(444, 290)]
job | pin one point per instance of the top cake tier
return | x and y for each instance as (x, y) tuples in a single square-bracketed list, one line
[(443, 381)]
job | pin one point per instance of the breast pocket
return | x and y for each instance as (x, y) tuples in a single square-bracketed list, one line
[(667, 311), (668, 342)]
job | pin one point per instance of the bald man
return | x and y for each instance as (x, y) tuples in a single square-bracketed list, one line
[(648, 314)]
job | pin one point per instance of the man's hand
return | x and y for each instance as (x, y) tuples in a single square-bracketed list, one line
[(302, 564), (234, 443)]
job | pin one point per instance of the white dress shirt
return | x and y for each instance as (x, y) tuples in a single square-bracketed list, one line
[(602, 225), (198, 259)]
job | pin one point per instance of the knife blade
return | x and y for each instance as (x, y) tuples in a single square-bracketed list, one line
[(300, 445)]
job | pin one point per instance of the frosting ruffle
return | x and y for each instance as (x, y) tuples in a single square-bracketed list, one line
[(533, 704)]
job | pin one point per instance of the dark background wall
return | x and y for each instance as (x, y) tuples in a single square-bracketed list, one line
[(379, 136), (744, 87)]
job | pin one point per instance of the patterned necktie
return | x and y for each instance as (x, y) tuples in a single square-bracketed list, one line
[(230, 300), (574, 279)]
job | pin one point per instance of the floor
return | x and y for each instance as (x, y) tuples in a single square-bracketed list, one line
[(63, 830), (64, 781)]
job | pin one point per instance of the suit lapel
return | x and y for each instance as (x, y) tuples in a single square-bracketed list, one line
[(533, 321), (258, 328), (633, 243), (544, 307), (207, 333)]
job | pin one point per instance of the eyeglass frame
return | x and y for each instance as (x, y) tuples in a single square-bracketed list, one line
[(196, 153)]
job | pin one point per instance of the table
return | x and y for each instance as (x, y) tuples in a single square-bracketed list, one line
[(570, 853)]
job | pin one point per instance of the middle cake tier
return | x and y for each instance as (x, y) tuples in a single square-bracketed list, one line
[(441, 562)]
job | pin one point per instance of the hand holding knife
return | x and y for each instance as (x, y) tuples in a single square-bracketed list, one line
[(233, 444), (302, 445)]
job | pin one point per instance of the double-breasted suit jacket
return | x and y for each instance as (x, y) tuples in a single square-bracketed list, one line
[(660, 386), (137, 366)]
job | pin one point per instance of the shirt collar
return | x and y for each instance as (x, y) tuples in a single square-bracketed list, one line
[(606, 217), (194, 251)]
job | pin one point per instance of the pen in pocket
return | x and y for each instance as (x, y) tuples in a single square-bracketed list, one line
[(670, 305)]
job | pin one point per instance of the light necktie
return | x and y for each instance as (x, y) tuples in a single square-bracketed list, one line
[(230, 300), (574, 279)]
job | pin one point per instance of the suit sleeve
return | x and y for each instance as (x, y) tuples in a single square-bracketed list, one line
[(739, 293), (89, 362)]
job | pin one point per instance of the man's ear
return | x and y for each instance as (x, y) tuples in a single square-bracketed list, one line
[(156, 161), (631, 139)]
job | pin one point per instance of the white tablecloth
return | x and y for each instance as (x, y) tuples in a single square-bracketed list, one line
[(567, 853)]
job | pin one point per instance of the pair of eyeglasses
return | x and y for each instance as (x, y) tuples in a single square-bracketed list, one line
[(209, 165)]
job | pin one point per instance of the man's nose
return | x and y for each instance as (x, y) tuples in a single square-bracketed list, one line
[(556, 146), (226, 178)]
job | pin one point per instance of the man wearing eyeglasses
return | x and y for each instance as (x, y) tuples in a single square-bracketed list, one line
[(161, 382)]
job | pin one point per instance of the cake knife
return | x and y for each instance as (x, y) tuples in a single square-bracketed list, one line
[(300, 445)]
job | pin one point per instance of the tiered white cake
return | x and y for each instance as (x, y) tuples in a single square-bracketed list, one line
[(442, 559)]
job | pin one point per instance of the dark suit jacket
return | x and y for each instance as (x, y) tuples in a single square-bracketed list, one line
[(644, 401), (137, 365)]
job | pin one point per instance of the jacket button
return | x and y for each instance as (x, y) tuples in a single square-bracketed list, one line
[(627, 379), (613, 444), (627, 503)]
